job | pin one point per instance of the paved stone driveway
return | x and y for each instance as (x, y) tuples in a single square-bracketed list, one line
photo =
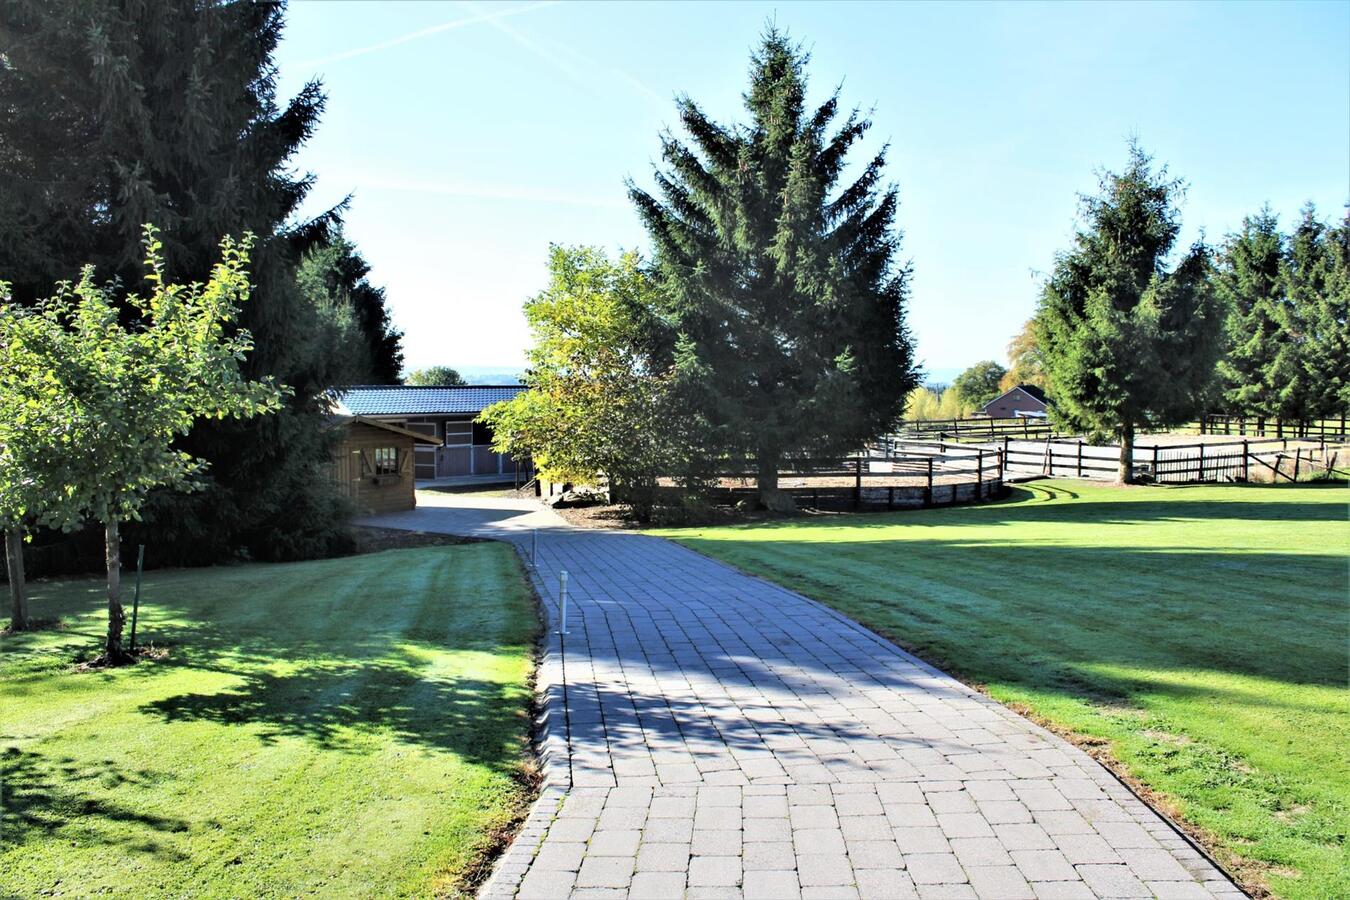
[(708, 734)]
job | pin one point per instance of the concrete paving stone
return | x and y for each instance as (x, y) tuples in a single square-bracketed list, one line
[(821, 816), (980, 852), (765, 807), (668, 830), (900, 794), (910, 815), (715, 817), (1087, 848), (560, 856), (605, 871), (951, 802), (771, 885), (769, 856), (714, 871), (714, 796), (756, 830), (1024, 837), (956, 825), (712, 893), (617, 818), (546, 885), (934, 868), (817, 869), (946, 892), (716, 842), (1044, 865), (657, 886), (671, 808), (1002, 882), (599, 894), (570, 830), (1179, 890), (1060, 821), (818, 840), (663, 857), (859, 803), (1062, 890), (921, 840), (1004, 812), (614, 843), (829, 892), (884, 884), (1112, 881), (1125, 835), (865, 828), (869, 854), (1154, 865)]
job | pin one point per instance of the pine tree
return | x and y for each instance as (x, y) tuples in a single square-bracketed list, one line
[(785, 297), (1126, 341), (114, 115)]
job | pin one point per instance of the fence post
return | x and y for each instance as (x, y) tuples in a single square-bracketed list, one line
[(979, 473), (1246, 470), (1298, 452), (1156, 479), (928, 491), (857, 483), (1200, 464), (1080, 459)]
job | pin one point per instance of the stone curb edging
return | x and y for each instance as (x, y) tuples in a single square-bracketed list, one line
[(551, 745)]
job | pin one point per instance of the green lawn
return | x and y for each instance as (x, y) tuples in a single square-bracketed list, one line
[(1200, 631), (347, 727)]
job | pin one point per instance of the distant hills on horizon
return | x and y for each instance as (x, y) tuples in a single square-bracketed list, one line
[(940, 375)]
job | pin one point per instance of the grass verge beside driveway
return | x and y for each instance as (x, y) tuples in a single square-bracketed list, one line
[(346, 727), (1197, 633)]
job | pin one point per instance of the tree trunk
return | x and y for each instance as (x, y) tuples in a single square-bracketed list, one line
[(1126, 474), (117, 617), (18, 588), (766, 480)]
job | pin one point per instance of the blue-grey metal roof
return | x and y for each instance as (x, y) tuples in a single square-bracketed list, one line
[(399, 400)]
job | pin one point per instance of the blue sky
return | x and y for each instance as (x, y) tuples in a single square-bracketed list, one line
[(472, 135)]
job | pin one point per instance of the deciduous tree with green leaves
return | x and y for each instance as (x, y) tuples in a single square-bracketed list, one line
[(435, 376), (978, 385), (121, 393), (783, 289), (599, 401), (1128, 339)]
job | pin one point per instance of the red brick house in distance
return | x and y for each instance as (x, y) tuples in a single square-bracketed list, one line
[(1025, 400)]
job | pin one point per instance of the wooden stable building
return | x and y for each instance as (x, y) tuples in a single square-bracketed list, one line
[(373, 463), (459, 445)]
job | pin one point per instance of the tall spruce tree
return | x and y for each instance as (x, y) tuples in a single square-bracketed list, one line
[(1128, 341), (784, 291), (1249, 282), (1316, 299), (114, 115), (332, 276), (1287, 295)]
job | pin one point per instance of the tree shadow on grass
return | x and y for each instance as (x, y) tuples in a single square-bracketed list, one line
[(342, 704), (44, 797)]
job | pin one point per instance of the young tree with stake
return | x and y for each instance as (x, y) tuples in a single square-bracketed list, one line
[(124, 393)]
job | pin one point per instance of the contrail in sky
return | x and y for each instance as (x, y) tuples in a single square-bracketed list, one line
[(484, 16)]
